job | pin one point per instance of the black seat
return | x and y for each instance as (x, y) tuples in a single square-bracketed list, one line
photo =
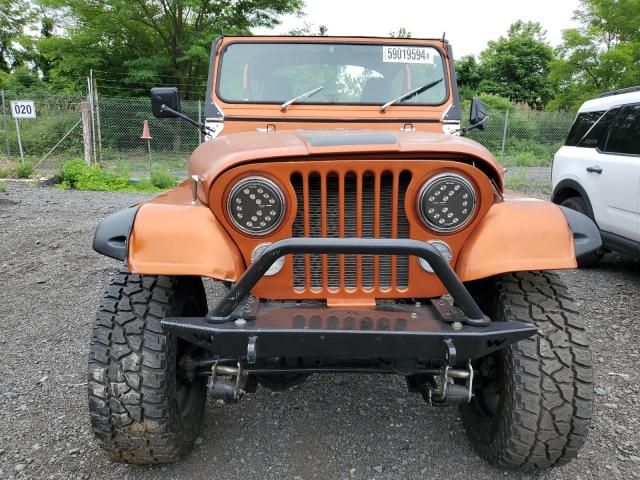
[(276, 89), (376, 90)]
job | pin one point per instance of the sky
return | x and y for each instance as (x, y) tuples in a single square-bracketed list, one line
[(469, 24)]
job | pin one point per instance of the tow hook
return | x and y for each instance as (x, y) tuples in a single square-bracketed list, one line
[(443, 391), (229, 389)]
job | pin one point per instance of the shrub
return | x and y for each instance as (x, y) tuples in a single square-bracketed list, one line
[(162, 179), (71, 171), (76, 174), (24, 170), (3, 187), (93, 178)]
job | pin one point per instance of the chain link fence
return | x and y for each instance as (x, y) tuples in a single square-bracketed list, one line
[(54, 136), (109, 133), (524, 138), (123, 149)]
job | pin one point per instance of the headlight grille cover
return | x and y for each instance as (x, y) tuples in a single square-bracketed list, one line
[(447, 202), (256, 205)]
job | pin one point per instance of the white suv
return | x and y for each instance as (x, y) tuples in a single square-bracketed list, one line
[(597, 171)]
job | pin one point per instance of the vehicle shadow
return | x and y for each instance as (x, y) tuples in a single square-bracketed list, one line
[(333, 427), (615, 262)]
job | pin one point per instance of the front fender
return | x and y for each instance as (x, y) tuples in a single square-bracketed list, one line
[(170, 236), (526, 234)]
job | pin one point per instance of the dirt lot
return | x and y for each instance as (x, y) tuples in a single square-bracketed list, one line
[(331, 427)]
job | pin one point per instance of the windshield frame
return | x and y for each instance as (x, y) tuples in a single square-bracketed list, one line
[(446, 70)]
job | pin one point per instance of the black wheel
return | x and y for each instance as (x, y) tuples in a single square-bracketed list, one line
[(532, 402), (579, 205), (143, 406)]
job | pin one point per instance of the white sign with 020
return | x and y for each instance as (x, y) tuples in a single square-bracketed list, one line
[(23, 109)]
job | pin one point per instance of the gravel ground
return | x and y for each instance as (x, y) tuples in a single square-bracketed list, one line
[(332, 427)]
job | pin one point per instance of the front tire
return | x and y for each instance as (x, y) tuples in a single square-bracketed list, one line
[(144, 408), (532, 403)]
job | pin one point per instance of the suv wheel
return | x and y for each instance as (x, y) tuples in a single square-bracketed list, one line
[(532, 402), (579, 205), (144, 408)]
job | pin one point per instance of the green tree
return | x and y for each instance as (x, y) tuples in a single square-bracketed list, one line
[(401, 33), (602, 54), (15, 17), (138, 43), (21, 79), (468, 75), (517, 66), (22, 22), (308, 29)]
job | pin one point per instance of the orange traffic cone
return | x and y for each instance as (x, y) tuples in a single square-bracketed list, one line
[(146, 135)]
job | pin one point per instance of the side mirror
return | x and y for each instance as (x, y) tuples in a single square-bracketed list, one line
[(478, 115), (162, 97)]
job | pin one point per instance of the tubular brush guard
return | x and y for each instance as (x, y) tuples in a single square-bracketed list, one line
[(273, 252), (310, 329)]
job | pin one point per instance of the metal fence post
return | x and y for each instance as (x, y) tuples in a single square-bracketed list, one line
[(200, 120), (19, 141), (6, 125), (86, 130), (504, 134), (91, 119), (96, 103)]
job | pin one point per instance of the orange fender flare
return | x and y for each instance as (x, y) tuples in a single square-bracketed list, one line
[(172, 236), (516, 235)]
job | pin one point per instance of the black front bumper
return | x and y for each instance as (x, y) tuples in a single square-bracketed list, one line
[(243, 327), (298, 330)]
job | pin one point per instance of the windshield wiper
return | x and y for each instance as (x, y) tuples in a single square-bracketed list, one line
[(285, 105), (411, 94)]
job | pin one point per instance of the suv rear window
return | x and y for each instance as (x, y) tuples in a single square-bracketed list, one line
[(624, 135), (583, 123), (592, 138)]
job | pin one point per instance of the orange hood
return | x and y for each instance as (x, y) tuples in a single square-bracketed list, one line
[(214, 157)]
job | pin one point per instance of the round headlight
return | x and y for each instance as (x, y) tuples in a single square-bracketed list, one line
[(447, 202), (273, 269), (256, 205), (443, 249)]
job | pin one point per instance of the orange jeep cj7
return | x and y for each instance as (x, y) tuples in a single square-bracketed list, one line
[(347, 227)]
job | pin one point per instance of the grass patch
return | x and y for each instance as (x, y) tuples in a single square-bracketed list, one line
[(526, 159), (77, 175), (162, 179), (18, 170), (24, 170), (521, 183), (517, 182), (136, 162), (3, 187)]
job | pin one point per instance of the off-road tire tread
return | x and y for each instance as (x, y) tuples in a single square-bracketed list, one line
[(131, 378), (546, 419)]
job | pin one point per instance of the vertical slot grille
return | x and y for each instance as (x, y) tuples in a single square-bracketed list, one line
[(332, 209)]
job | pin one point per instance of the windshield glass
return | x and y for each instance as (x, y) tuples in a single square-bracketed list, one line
[(347, 73)]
